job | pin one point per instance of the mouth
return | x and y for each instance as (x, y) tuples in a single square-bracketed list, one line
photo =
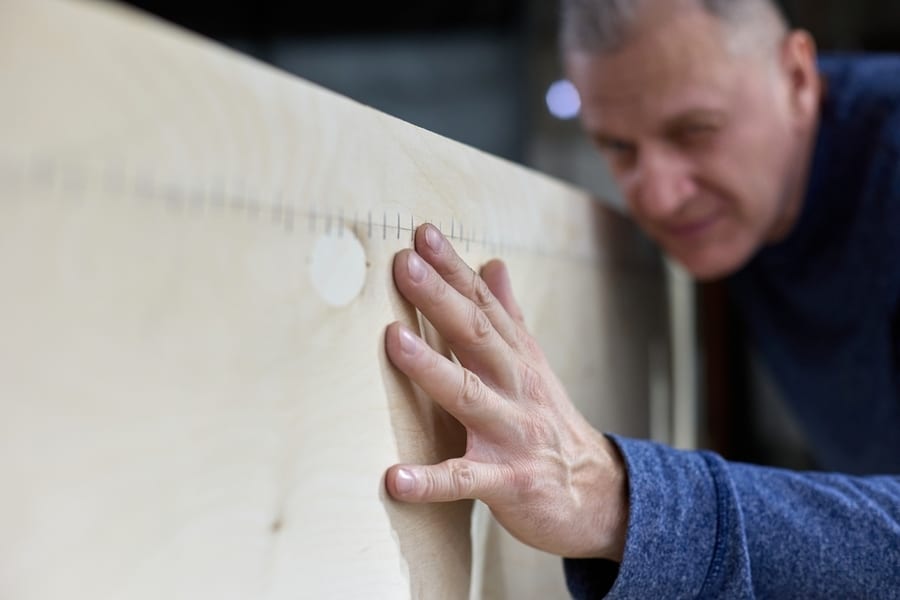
[(689, 230)]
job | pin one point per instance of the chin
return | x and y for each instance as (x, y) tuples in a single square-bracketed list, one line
[(713, 263)]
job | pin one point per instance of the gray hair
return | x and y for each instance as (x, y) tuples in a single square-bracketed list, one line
[(601, 26)]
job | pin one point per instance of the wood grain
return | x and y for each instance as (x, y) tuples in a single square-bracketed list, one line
[(184, 412)]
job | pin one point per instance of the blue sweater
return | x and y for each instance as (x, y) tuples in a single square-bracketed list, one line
[(823, 306)]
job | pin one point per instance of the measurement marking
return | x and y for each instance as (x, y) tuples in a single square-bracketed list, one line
[(115, 179), (398, 226), (197, 199), (452, 228), (217, 196), (289, 219), (173, 199), (384, 226), (253, 208), (277, 209), (370, 225), (341, 224), (412, 229), (238, 198)]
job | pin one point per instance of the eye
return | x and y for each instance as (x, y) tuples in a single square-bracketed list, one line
[(620, 155), (696, 135)]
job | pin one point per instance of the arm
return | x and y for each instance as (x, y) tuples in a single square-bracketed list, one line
[(702, 527)]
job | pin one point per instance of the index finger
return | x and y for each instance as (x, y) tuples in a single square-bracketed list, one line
[(439, 252)]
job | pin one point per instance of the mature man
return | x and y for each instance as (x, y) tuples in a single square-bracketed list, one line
[(743, 160)]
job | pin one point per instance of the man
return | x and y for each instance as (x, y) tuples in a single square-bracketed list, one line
[(742, 162)]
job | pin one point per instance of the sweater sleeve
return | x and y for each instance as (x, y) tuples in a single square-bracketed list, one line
[(701, 527)]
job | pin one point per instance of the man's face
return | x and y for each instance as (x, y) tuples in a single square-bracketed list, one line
[(704, 141)]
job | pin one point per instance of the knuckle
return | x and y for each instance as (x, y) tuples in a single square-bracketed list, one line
[(529, 345), (471, 392), (481, 293), (534, 432), (455, 268), (431, 363), (437, 290), (430, 486), (462, 478), (532, 383), (480, 327), (524, 480)]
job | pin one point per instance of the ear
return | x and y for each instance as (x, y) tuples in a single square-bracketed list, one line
[(798, 61)]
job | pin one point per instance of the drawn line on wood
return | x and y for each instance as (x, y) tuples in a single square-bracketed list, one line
[(145, 185)]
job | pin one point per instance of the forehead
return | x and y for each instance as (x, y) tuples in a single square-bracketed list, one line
[(667, 66)]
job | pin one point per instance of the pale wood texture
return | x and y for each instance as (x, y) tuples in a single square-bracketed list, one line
[(195, 256)]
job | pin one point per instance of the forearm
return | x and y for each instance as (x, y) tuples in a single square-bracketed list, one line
[(702, 527)]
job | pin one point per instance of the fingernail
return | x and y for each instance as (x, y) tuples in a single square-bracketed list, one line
[(434, 239), (408, 342), (405, 481), (416, 267)]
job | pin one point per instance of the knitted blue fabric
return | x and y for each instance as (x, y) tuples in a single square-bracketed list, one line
[(823, 307)]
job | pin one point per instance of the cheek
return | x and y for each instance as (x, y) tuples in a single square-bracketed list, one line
[(762, 161), (742, 185)]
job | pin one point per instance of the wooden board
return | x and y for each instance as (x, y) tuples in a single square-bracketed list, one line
[(195, 257)]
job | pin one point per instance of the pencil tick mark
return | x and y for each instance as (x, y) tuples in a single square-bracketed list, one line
[(289, 219)]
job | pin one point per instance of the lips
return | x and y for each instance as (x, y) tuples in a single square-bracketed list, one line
[(693, 228)]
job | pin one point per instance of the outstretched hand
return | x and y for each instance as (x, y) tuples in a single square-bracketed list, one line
[(550, 478)]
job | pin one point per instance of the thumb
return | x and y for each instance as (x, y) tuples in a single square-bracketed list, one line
[(451, 480), (496, 276)]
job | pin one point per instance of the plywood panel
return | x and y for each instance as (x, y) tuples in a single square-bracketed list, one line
[(195, 256)]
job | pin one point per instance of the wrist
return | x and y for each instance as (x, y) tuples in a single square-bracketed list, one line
[(615, 510)]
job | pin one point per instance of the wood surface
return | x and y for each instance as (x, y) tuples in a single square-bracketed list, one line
[(195, 258)]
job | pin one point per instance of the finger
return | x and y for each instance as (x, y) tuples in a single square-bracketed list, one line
[(496, 276), (467, 329), (459, 391), (438, 251), (451, 480)]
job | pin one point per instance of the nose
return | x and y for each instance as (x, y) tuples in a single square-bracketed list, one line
[(662, 184)]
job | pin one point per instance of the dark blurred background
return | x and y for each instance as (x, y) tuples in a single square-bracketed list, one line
[(479, 71)]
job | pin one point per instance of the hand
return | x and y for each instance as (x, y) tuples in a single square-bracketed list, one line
[(549, 478)]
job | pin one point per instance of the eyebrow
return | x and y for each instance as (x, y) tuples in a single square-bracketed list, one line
[(612, 142), (692, 117), (670, 126)]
